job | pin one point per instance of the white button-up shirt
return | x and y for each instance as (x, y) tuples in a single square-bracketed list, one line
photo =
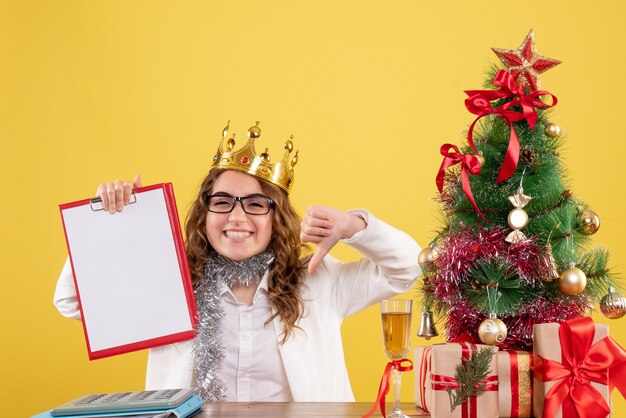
[(252, 369)]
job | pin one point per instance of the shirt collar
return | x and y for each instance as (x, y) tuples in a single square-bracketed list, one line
[(263, 285)]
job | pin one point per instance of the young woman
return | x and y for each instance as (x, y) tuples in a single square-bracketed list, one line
[(269, 319)]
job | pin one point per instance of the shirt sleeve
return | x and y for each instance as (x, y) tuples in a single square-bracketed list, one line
[(65, 299), (389, 266)]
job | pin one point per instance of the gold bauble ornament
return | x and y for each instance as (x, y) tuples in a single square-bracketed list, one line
[(518, 218), (613, 305), (492, 331), (426, 256), (552, 130), (572, 280), (481, 160), (589, 222)]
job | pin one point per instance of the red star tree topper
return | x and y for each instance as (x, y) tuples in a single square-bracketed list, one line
[(525, 64)]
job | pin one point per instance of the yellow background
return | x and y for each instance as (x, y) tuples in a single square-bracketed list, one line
[(94, 91)]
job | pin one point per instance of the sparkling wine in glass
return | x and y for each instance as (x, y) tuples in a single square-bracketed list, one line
[(396, 321)]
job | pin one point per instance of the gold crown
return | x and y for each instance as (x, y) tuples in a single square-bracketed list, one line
[(248, 161)]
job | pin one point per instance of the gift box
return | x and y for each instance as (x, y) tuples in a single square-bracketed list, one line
[(515, 384), (444, 360), (575, 365), (421, 369)]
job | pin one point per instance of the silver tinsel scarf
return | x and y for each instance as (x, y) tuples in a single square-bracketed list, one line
[(208, 346)]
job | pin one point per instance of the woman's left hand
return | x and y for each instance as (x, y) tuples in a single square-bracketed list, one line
[(325, 226)]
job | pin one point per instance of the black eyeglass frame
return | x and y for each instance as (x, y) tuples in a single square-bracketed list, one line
[(241, 200)]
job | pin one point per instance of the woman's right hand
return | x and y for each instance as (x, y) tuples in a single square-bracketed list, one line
[(116, 194)]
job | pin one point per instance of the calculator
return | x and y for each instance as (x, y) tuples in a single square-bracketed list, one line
[(148, 400)]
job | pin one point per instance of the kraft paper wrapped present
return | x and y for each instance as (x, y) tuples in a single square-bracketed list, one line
[(515, 384), (575, 365), (444, 359), (421, 369)]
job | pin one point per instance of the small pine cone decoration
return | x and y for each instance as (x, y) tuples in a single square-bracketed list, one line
[(527, 156)]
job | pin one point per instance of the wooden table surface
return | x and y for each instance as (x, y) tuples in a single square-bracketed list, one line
[(297, 409)]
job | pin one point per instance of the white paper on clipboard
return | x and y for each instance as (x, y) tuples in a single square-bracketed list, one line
[(131, 273)]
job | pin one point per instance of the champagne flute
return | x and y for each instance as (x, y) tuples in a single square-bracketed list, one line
[(396, 319)]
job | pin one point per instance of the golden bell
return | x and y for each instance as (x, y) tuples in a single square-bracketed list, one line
[(427, 326)]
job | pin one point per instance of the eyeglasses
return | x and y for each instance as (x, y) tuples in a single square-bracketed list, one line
[(254, 204)]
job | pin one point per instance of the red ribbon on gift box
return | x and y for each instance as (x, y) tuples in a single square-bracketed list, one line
[(469, 409), (479, 103), (518, 409), (582, 363), (383, 388), (424, 371)]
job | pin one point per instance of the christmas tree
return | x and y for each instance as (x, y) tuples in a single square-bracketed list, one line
[(513, 250)]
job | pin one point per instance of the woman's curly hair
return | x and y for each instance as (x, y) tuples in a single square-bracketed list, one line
[(287, 271)]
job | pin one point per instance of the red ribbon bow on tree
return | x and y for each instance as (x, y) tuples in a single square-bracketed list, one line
[(479, 103), (582, 363), (383, 388), (469, 163)]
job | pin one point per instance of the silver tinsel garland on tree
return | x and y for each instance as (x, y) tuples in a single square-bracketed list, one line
[(208, 346)]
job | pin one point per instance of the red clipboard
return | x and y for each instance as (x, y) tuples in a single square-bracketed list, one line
[(130, 271)]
